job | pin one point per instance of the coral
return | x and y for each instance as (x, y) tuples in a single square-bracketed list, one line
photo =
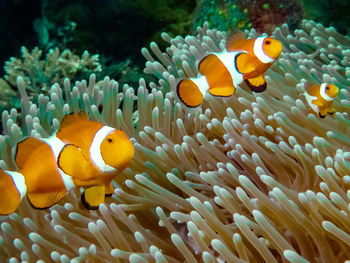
[(250, 178), (225, 15), (263, 16), (39, 74), (8, 96)]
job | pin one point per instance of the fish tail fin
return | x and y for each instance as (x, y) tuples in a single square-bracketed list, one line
[(12, 190), (191, 91)]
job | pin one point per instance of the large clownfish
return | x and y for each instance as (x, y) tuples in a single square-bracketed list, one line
[(243, 60), (49, 168), (320, 97), (104, 152)]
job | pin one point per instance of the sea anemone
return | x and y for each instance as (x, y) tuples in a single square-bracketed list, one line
[(250, 178)]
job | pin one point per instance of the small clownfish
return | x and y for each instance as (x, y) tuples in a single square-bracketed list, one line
[(102, 152), (320, 97), (49, 168), (243, 60)]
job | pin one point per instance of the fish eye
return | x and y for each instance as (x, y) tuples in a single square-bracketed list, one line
[(109, 140), (327, 88), (267, 42)]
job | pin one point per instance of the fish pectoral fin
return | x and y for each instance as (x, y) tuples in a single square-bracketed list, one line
[(222, 91), (109, 189), (189, 93), (45, 200), (245, 63), (72, 162), (317, 103), (257, 84), (93, 196)]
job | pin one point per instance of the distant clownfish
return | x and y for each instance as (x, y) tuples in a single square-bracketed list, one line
[(320, 97), (49, 168), (243, 60)]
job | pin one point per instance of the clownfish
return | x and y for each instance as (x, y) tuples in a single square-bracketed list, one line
[(102, 152), (320, 97), (49, 168), (220, 73), (264, 50)]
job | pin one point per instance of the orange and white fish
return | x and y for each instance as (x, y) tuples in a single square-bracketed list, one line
[(38, 177), (49, 168), (220, 73), (320, 97), (265, 50), (102, 152)]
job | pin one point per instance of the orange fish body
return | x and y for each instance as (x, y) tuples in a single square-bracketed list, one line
[(320, 98), (220, 73), (104, 152)]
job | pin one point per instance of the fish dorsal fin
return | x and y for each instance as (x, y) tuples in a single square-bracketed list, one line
[(234, 40), (308, 85), (24, 149), (72, 118)]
